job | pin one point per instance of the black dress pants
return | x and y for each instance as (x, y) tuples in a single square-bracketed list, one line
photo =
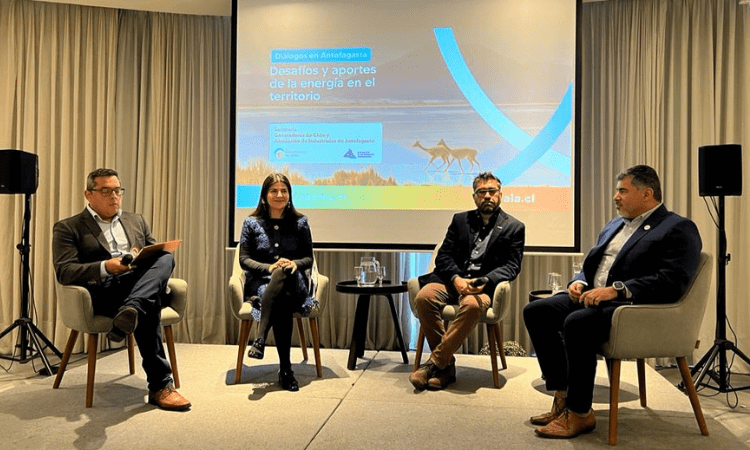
[(567, 336)]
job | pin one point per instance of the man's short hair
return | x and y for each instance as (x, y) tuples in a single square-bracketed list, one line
[(483, 178), (101, 172), (643, 176)]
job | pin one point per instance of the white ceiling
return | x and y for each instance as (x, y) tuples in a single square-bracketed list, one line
[(195, 7)]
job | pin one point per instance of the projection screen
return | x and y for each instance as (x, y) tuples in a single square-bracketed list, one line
[(382, 113)]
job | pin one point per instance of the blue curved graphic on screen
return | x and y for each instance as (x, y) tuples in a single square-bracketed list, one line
[(531, 149)]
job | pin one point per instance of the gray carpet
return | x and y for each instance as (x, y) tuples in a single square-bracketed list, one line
[(372, 407)]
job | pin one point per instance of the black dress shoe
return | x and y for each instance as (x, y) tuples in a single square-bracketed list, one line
[(257, 349), (123, 323), (287, 380)]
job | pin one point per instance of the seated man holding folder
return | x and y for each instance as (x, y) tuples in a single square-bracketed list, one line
[(88, 250)]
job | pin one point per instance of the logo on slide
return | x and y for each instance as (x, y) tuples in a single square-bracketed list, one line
[(279, 153), (350, 154)]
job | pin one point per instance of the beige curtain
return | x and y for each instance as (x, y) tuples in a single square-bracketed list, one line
[(148, 94), (145, 93)]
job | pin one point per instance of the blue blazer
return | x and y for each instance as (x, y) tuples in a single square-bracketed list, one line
[(656, 264)]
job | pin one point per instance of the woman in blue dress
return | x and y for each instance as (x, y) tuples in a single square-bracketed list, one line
[(276, 252)]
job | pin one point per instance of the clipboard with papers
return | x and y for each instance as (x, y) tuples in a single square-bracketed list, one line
[(150, 250)]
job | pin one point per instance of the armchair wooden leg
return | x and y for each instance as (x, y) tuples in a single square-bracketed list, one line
[(420, 347), (93, 341), (491, 337), (131, 353), (614, 399), (66, 357), (245, 327), (302, 342), (316, 345), (687, 380), (641, 365), (172, 355), (499, 338)]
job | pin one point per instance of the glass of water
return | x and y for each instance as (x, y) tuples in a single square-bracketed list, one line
[(381, 275), (554, 281)]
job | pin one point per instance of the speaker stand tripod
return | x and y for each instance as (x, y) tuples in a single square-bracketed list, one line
[(30, 337), (705, 366)]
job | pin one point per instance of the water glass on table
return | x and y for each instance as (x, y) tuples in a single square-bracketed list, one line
[(381, 275), (554, 281)]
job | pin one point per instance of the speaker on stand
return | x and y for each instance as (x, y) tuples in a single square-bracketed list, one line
[(719, 175), (19, 174)]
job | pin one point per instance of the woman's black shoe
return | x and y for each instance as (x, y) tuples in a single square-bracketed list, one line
[(257, 349), (287, 380)]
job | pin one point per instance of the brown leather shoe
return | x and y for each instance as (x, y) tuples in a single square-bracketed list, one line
[(558, 406), (443, 377), (569, 425), (169, 399), (420, 377)]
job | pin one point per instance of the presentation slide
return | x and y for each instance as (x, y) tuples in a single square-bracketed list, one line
[(382, 113)]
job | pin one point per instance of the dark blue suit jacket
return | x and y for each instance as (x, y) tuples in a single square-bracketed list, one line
[(656, 264), (502, 259)]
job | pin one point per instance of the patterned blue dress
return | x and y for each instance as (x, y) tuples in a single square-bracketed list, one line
[(262, 242)]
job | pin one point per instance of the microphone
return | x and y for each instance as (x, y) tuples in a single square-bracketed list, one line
[(127, 259), (479, 281)]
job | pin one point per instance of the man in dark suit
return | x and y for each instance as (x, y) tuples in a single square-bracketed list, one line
[(647, 255), (88, 250), (481, 248)]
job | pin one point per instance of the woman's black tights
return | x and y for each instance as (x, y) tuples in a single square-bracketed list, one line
[(276, 311)]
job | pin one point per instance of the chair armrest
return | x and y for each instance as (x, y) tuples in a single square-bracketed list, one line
[(77, 310), (321, 294), (500, 303), (651, 331), (413, 289), (235, 294), (177, 295)]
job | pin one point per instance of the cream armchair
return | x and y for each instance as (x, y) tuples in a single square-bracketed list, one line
[(492, 318), (657, 331), (77, 313), (242, 311)]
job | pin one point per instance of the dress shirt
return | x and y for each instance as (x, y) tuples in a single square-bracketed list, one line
[(615, 245), (114, 234)]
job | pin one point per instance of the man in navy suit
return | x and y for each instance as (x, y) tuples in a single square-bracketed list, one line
[(88, 251), (481, 248), (647, 255)]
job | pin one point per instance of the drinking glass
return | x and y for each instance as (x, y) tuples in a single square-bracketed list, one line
[(370, 270), (381, 275), (554, 281), (358, 275)]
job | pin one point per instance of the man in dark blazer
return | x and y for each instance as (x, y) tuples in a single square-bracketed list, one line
[(646, 255), (88, 250), (481, 248)]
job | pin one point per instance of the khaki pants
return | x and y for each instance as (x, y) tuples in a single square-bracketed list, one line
[(429, 305)]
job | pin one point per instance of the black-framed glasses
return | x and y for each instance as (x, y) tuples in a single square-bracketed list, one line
[(483, 192), (106, 192)]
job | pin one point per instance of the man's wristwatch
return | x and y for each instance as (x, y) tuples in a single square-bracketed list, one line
[(619, 287)]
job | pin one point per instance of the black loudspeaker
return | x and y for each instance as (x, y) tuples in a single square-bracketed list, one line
[(720, 170), (19, 172)]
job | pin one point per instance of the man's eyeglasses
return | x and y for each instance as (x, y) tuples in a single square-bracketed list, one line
[(106, 192), (483, 192)]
